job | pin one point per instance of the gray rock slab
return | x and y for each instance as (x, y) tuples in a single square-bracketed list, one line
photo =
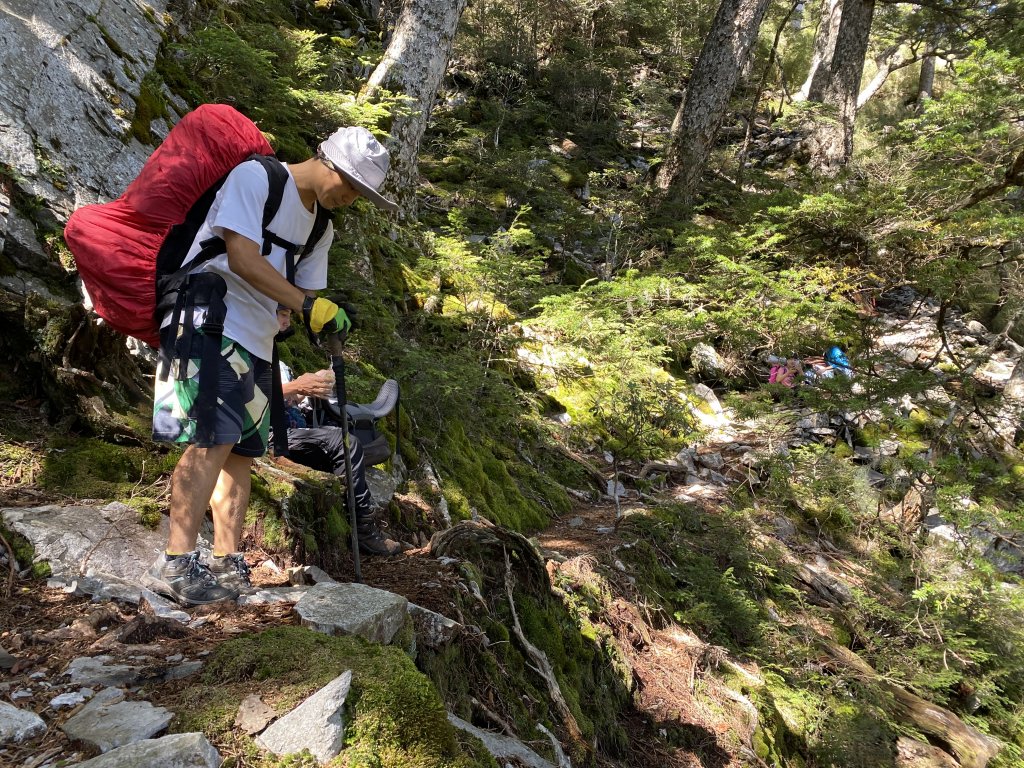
[(104, 587), (17, 725), (95, 670), (108, 722), (274, 595), (432, 629), (180, 750), (353, 609), (502, 747), (106, 543), (317, 724), (6, 660), (183, 670), (67, 90), (163, 607)]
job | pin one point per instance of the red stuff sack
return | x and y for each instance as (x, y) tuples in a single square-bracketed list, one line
[(116, 245)]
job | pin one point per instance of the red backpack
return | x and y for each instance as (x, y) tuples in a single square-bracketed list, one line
[(124, 247)]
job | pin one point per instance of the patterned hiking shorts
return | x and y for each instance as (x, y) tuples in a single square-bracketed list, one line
[(242, 416)]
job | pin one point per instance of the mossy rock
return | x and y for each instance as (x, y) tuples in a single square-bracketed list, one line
[(394, 715), (299, 512)]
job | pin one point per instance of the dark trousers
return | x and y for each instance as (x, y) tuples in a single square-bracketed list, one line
[(323, 448)]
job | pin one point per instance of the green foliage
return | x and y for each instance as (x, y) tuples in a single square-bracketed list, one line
[(827, 489), (703, 571)]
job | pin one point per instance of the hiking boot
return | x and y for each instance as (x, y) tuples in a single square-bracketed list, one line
[(372, 541), (232, 572), (186, 580)]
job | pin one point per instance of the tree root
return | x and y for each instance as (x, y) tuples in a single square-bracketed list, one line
[(11, 572), (541, 665)]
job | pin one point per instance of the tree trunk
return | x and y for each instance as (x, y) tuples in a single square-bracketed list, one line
[(926, 81), (824, 45), (971, 747), (831, 144), (891, 60), (724, 55), (413, 66)]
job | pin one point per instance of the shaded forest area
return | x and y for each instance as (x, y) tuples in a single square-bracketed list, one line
[(607, 205)]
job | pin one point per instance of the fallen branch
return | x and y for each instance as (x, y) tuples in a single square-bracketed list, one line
[(971, 747), (594, 472), (11, 567), (541, 665)]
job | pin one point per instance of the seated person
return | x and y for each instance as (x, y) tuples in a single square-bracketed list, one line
[(323, 448)]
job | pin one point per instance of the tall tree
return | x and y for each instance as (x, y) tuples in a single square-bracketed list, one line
[(824, 45), (926, 80), (723, 58), (831, 143), (413, 66)]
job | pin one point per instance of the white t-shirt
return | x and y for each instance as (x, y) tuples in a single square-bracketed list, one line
[(252, 316)]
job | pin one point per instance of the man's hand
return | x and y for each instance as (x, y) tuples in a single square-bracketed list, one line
[(319, 384), (324, 315)]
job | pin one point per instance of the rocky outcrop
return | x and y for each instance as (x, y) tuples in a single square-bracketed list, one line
[(72, 73)]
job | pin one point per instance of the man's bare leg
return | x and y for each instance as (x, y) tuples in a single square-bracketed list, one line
[(229, 502), (192, 485), (184, 578)]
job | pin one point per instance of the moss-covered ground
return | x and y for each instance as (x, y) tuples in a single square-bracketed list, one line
[(393, 717)]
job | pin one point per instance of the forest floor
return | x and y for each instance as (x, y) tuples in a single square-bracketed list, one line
[(46, 628)]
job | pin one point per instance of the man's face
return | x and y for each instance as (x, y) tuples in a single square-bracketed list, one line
[(336, 191)]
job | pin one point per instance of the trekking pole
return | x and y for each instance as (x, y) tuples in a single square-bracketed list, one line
[(335, 344)]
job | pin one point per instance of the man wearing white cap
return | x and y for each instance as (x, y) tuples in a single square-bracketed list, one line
[(249, 280)]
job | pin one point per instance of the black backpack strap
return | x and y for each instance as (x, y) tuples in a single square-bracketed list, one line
[(323, 218)]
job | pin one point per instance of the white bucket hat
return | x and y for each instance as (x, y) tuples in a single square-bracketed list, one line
[(355, 154)]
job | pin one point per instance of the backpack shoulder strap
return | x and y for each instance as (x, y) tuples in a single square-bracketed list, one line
[(323, 218)]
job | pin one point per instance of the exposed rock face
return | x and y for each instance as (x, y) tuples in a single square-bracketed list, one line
[(88, 541), (72, 70)]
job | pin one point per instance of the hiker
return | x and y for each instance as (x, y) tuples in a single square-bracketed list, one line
[(793, 371), (235, 296), (323, 448)]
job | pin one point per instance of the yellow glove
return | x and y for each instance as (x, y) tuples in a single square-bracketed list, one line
[(322, 314)]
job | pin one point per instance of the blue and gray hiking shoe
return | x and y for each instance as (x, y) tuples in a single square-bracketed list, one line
[(232, 572), (184, 579)]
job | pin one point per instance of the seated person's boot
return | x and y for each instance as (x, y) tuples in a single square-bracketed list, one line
[(372, 540)]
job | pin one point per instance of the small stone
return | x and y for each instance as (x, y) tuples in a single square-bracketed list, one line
[(253, 714), (576, 522), (71, 699), (18, 725)]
